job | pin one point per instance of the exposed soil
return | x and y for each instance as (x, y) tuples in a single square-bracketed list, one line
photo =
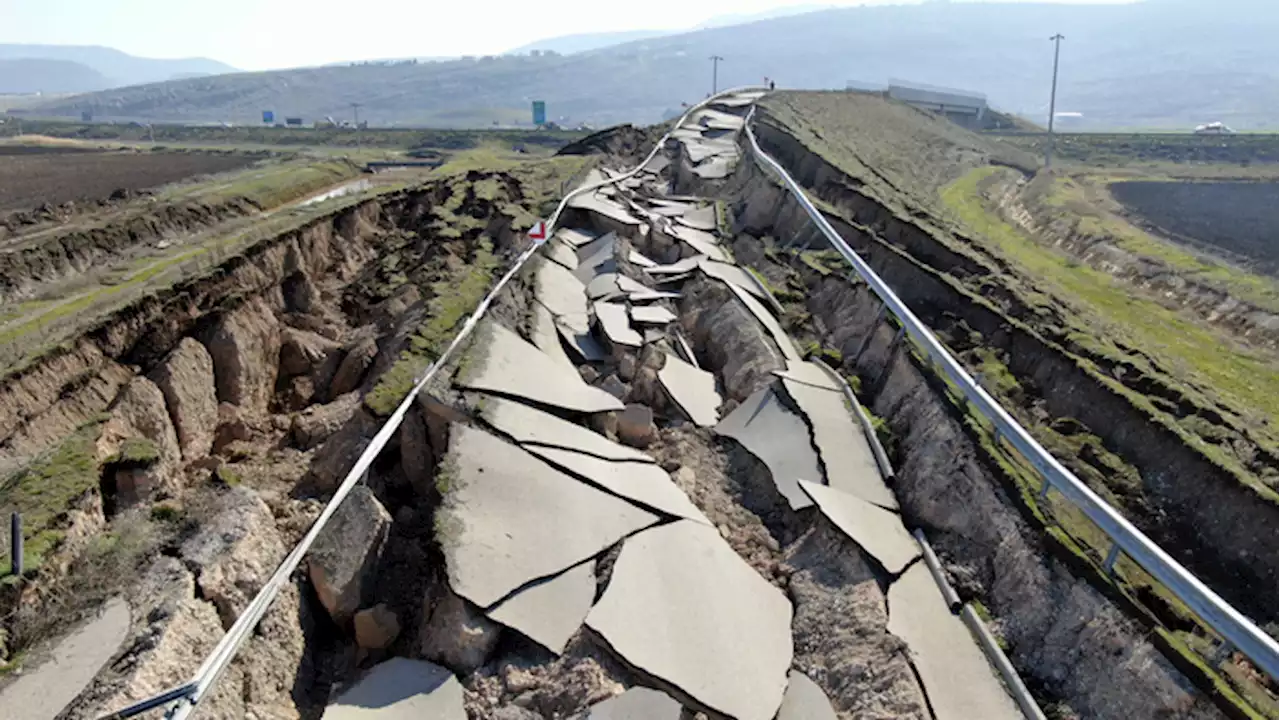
[(52, 176), (293, 323), (947, 476), (1236, 218)]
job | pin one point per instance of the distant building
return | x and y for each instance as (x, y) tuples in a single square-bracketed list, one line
[(960, 106)]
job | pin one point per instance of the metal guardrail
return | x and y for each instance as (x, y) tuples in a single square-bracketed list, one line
[(188, 696), (1231, 624)]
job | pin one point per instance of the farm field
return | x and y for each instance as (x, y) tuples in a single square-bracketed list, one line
[(36, 175)]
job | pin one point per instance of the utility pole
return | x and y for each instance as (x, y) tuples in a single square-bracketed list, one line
[(1053, 100), (355, 120), (715, 70)]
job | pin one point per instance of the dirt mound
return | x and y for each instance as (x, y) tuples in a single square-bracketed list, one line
[(627, 143)]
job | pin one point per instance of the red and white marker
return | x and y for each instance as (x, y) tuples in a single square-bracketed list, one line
[(538, 233)]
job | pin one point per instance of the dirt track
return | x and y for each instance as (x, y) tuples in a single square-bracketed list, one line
[(57, 175)]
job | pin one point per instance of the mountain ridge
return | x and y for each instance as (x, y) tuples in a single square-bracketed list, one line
[(1156, 64)]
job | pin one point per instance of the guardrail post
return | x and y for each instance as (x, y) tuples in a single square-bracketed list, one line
[(888, 363), (1044, 490), (1112, 555), (1223, 651), (15, 544), (871, 333)]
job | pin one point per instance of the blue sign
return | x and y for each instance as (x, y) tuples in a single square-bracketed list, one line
[(539, 112), (268, 117)]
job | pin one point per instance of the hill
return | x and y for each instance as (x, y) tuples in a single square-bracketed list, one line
[(582, 42), (118, 68), (1154, 64), (23, 76)]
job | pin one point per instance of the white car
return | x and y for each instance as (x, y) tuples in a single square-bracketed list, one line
[(1213, 128)]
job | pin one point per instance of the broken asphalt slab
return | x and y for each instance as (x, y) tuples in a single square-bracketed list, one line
[(779, 438), (638, 703), (846, 454), (683, 607), (507, 518), (550, 612), (640, 482), (693, 389), (528, 425), (401, 689), (804, 700), (501, 361), (959, 682), (876, 530)]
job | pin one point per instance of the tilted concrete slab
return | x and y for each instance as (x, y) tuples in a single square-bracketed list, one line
[(546, 336), (401, 689), (703, 242), (508, 518), (809, 373), (652, 315), (715, 168), (648, 295), (630, 285), (733, 275), (617, 327), (657, 163), (574, 237), (604, 286), (683, 607), (703, 218), (550, 612), (804, 700), (596, 202), (694, 390), (876, 530), (530, 425), (846, 454), (703, 149), (502, 362), (779, 438), (638, 703), (563, 294), (717, 120), (959, 681), (642, 482), (561, 253), (733, 101), (597, 257), (639, 259), (678, 267), (766, 318), (583, 343)]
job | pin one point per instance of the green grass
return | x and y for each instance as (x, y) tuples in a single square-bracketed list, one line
[(1070, 198), (135, 451), (46, 488), (1107, 309), (452, 300)]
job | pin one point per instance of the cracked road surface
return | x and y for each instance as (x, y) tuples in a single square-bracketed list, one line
[(733, 545)]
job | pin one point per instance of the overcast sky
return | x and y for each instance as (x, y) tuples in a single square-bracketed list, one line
[(264, 34)]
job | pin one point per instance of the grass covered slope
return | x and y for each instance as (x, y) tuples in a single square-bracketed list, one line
[(1165, 414)]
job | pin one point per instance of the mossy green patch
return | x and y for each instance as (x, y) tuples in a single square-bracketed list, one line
[(452, 301), (46, 488), (135, 452)]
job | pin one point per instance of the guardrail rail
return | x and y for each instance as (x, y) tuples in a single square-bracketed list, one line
[(186, 697), (1235, 629)]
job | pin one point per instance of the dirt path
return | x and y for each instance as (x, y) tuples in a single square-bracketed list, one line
[(43, 691)]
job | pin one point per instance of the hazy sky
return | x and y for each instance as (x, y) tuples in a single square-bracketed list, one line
[(263, 34)]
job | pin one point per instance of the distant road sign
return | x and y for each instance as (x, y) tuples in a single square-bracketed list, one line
[(538, 233), (539, 112), (268, 117)]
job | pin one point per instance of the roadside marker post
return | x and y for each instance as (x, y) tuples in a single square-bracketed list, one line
[(538, 233)]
